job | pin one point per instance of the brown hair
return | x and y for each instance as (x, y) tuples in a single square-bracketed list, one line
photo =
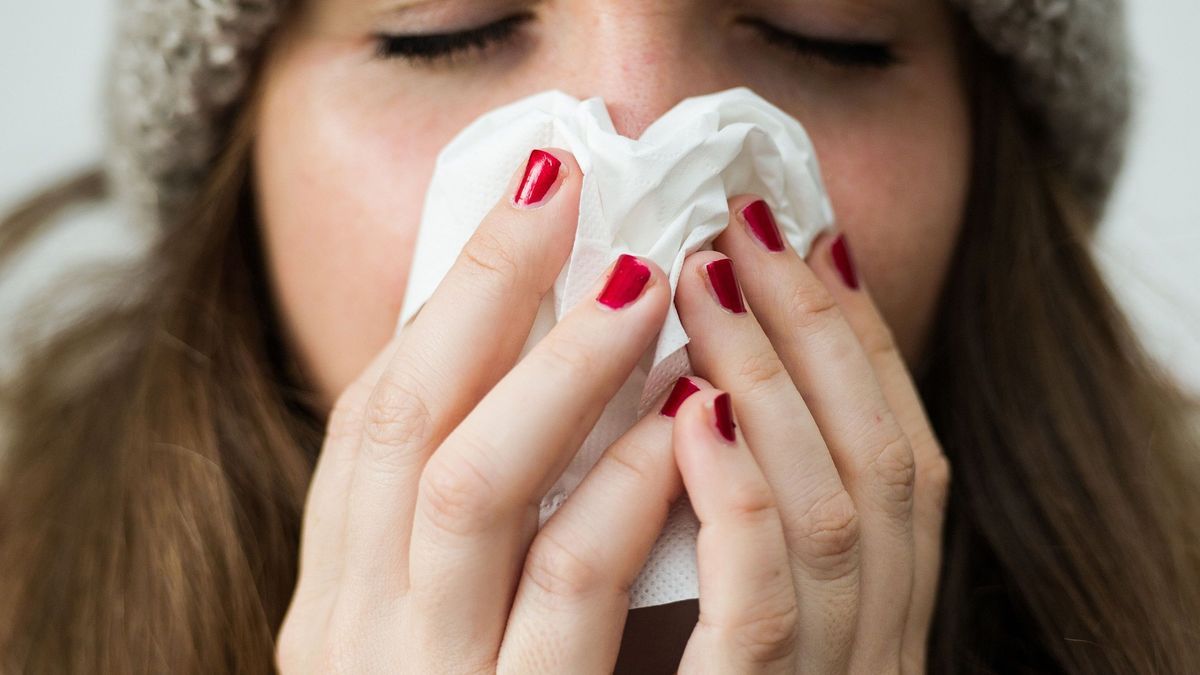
[(1073, 527), (161, 447)]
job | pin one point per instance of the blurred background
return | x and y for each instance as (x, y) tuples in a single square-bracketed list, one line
[(52, 55)]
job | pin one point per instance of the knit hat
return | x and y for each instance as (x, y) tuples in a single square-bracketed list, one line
[(180, 66)]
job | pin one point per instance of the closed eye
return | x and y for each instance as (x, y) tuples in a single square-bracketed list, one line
[(430, 47), (849, 54)]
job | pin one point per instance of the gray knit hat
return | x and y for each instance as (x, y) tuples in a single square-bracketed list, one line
[(180, 66)]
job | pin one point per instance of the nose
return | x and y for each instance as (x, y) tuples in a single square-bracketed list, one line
[(641, 57)]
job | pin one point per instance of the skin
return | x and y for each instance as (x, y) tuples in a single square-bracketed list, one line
[(420, 544)]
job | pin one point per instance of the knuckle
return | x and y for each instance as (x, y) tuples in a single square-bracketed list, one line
[(631, 461), (346, 417), (396, 418), (456, 497), (762, 373), (826, 537), (811, 306), (768, 636), (879, 342), (752, 501), (891, 474), (934, 478), (558, 572), (569, 355), (771, 637), (490, 257)]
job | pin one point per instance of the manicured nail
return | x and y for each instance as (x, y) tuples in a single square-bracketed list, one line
[(683, 388), (840, 253), (725, 285), (540, 172), (723, 417), (629, 277), (761, 223)]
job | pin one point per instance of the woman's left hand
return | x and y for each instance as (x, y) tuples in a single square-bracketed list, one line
[(820, 521)]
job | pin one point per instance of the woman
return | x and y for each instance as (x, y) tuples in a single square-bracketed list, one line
[(163, 451)]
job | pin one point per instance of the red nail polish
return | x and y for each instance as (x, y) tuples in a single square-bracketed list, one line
[(683, 388), (761, 222), (725, 285), (840, 253), (540, 172), (629, 277), (723, 416)]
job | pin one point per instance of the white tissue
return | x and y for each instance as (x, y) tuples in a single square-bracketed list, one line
[(662, 196)]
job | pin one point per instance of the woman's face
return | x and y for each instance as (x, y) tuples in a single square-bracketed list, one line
[(347, 138)]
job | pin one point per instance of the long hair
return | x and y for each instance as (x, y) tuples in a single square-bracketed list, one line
[(1072, 536), (159, 448)]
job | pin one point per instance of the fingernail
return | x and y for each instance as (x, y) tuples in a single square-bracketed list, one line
[(723, 417), (725, 285), (761, 223), (683, 388), (629, 277), (840, 253), (540, 172)]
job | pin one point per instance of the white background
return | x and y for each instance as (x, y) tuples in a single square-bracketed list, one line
[(52, 54)]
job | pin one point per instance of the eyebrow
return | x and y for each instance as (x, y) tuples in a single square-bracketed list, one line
[(375, 8), (406, 5), (849, 10), (405, 8)]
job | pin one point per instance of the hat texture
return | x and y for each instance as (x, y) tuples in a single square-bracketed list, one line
[(1072, 63), (180, 66)]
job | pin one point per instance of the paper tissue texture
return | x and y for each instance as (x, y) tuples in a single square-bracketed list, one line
[(661, 196)]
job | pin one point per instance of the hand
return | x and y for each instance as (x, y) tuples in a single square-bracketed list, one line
[(821, 519), (420, 549)]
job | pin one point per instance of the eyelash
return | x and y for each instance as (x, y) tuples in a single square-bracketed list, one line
[(846, 54), (432, 48)]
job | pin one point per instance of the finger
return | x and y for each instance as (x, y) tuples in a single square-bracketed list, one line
[(748, 611), (819, 520), (477, 502), (872, 454), (833, 263), (321, 537), (441, 368), (574, 590)]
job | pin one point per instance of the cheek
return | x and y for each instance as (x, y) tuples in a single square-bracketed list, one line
[(898, 191), (340, 196)]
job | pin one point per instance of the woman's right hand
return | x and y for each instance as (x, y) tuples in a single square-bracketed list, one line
[(420, 547)]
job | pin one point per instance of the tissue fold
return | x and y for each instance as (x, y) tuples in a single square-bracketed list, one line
[(661, 196)]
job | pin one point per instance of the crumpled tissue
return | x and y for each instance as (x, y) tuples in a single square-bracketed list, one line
[(662, 196)]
